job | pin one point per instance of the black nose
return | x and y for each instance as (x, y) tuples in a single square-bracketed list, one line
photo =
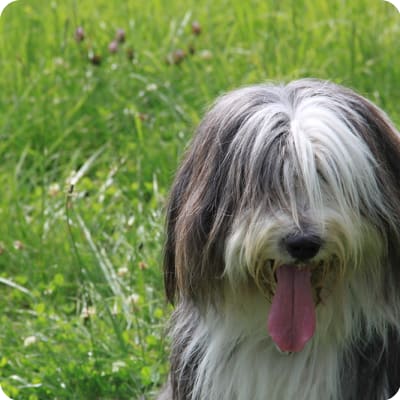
[(303, 247)]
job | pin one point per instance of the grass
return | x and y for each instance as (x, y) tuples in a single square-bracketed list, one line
[(88, 153)]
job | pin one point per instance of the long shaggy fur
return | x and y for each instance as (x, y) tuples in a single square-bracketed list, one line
[(267, 162)]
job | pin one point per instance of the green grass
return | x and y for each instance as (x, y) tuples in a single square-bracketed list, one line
[(82, 310)]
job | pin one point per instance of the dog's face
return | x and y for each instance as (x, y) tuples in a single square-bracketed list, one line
[(290, 190)]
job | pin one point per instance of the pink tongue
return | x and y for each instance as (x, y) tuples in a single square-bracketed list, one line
[(291, 321)]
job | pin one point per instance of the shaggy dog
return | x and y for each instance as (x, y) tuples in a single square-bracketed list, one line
[(283, 249)]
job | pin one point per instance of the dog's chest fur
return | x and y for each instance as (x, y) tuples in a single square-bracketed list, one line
[(259, 372), (229, 356), (254, 368)]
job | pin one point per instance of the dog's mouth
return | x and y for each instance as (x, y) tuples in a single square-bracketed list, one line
[(295, 290), (292, 320)]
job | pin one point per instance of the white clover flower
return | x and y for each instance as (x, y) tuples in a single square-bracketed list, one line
[(54, 189), (28, 341), (116, 366), (123, 271), (134, 298)]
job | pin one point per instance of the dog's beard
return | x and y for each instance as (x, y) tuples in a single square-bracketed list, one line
[(295, 289)]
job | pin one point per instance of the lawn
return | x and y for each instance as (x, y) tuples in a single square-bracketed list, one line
[(93, 123)]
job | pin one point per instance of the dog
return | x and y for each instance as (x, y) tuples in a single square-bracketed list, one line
[(282, 251)]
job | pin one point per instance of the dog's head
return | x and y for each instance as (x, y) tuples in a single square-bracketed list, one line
[(288, 190)]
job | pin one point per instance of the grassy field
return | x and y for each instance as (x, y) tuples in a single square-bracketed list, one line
[(89, 141)]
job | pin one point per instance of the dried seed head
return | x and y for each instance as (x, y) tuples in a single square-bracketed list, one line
[(142, 265), (191, 49), (95, 59), (18, 245), (196, 28), (143, 116), (113, 47), (130, 54), (79, 34), (120, 36), (176, 57)]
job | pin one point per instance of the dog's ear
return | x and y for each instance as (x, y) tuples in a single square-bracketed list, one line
[(384, 142), (202, 202), (174, 206), (383, 139), (191, 258), (169, 248)]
